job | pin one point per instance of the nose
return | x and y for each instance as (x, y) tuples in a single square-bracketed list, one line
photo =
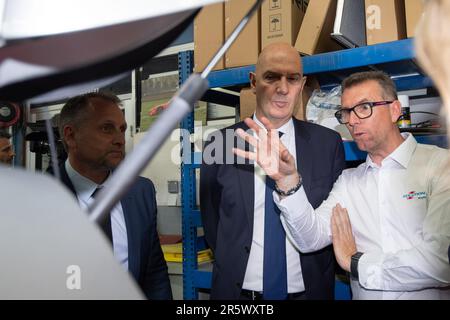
[(353, 118), (282, 87), (119, 138)]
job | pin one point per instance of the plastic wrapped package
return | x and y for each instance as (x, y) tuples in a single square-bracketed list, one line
[(321, 108)]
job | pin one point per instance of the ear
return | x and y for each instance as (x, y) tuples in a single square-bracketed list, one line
[(396, 111), (302, 86), (253, 81), (69, 136), (304, 79)]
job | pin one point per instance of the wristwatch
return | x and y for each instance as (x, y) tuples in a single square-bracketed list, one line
[(354, 265), (290, 191)]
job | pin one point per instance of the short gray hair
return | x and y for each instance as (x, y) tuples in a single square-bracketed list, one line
[(386, 83), (74, 111)]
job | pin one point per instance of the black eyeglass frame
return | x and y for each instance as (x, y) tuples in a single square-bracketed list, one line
[(338, 114)]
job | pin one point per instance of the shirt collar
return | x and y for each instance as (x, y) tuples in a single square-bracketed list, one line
[(286, 128), (402, 155), (84, 187)]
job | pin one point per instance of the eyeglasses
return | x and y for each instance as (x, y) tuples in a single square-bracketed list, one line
[(362, 111)]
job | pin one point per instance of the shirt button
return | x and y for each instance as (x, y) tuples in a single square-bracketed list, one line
[(247, 249)]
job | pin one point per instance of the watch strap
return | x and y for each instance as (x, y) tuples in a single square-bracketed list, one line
[(354, 265)]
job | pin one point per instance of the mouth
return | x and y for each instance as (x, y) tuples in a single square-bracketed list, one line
[(118, 154), (358, 135), (280, 104)]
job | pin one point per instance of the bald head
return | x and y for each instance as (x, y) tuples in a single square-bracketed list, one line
[(277, 83), (279, 52)]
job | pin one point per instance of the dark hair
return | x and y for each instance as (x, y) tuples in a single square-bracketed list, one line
[(4, 134), (74, 111), (387, 85)]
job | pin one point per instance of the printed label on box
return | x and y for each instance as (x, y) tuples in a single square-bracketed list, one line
[(274, 4), (275, 23)]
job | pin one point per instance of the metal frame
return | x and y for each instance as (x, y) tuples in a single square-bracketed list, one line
[(188, 192)]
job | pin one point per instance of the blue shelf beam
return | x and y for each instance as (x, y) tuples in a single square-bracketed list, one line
[(196, 160), (195, 218), (230, 77), (352, 153), (202, 279), (188, 195), (359, 57), (395, 58), (437, 140)]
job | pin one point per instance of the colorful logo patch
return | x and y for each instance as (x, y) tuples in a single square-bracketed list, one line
[(415, 195)]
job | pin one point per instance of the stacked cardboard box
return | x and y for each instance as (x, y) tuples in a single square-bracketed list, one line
[(414, 10), (209, 35), (306, 24), (281, 20), (315, 33), (246, 48), (385, 21)]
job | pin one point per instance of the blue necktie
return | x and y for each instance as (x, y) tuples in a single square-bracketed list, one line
[(274, 269)]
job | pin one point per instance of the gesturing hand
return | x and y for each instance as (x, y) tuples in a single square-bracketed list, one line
[(270, 154), (343, 241)]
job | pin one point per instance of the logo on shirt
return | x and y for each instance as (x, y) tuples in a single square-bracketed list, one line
[(415, 195)]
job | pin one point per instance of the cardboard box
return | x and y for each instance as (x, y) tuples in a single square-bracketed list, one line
[(246, 47), (209, 35), (248, 100), (414, 10), (281, 20), (385, 21), (315, 33)]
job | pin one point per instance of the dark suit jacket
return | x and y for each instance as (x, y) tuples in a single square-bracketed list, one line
[(145, 258), (227, 208)]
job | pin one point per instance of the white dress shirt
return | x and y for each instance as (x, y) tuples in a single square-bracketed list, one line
[(400, 217), (253, 279), (84, 189)]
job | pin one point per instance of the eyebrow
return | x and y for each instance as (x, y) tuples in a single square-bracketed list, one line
[(111, 122), (281, 74), (361, 101)]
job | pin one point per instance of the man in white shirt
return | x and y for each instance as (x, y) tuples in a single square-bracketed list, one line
[(394, 232)]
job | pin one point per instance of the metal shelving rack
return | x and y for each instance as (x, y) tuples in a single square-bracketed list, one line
[(396, 58)]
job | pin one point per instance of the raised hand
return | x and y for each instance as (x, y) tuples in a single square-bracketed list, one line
[(270, 153), (343, 241)]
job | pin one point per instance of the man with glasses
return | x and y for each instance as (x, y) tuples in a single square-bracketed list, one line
[(394, 232), (6, 149)]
